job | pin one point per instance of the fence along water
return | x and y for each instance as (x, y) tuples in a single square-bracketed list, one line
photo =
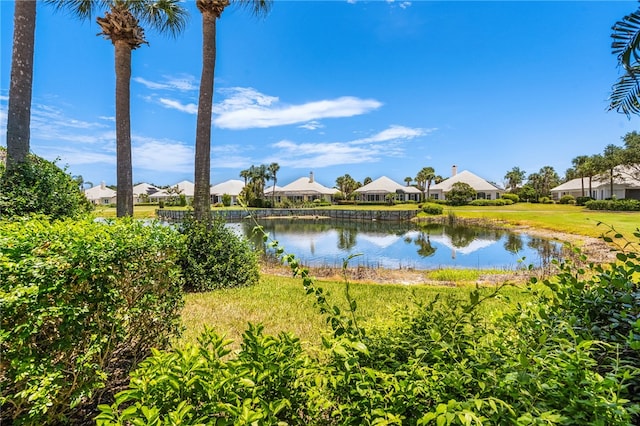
[(356, 215)]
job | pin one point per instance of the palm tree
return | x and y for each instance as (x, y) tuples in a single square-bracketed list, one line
[(19, 108), (272, 169), (424, 179), (211, 11), (245, 174), (408, 180), (579, 164), (121, 26), (625, 93), (514, 178)]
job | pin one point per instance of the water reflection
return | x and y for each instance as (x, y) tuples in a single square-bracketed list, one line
[(401, 245)]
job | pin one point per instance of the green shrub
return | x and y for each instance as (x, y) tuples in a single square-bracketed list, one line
[(513, 197), (498, 202), (263, 384), (614, 205), (38, 186), (581, 201), (432, 208), (226, 200), (460, 194), (215, 257), (82, 303), (567, 199), (182, 200)]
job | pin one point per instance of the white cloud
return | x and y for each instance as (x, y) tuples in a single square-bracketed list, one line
[(107, 118), (247, 108), (162, 155), (190, 108), (405, 4), (183, 83), (387, 143), (312, 125)]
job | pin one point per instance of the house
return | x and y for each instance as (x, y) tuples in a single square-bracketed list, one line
[(625, 185), (101, 195), (305, 189), (143, 193), (270, 193), (379, 189), (232, 187), (484, 190)]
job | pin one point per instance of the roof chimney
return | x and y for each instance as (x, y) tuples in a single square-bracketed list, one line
[(102, 185), (311, 177), (454, 170)]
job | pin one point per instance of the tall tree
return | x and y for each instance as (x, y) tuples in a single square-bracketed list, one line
[(211, 11), (544, 180), (423, 180), (514, 178), (121, 25), (631, 154), (611, 158), (273, 169), (408, 180), (19, 107), (580, 165)]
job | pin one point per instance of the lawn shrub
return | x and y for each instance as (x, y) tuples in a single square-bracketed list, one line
[(498, 202), (614, 205), (513, 197), (82, 303), (581, 201), (226, 200), (215, 257), (432, 208), (38, 186), (567, 199), (545, 200)]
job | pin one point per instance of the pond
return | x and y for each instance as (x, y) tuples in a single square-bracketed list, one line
[(395, 245)]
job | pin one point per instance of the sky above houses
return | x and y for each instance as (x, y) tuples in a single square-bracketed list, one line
[(369, 88)]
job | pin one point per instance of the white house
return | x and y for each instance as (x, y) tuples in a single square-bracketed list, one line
[(101, 195), (306, 189), (377, 191), (625, 185), (143, 193), (484, 190), (232, 187)]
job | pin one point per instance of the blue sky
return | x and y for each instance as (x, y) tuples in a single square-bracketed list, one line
[(369, 88)]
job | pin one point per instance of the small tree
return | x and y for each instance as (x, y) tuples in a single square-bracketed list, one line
[(460, 194)]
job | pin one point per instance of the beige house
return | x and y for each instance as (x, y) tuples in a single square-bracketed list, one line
[(625, 185), (378, 190), (101, 195), (305, 189), (484, 190), (232, 187)]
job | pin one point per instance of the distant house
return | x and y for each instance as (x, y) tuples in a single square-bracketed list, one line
[(269, 193), (379, 189), (232, 187), (143, 193), (484, 190), (305, 189), (101, 195), (625, 185)]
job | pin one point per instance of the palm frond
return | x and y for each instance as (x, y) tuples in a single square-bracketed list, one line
[(82, 9), (626, 40), (625, 93), (257, 7)]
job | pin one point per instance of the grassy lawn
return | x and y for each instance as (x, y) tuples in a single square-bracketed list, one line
[(280, 304), (555, 217)]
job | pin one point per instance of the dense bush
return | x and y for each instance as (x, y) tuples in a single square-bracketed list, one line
[(513, 197), (38, 186), (82, 303), (615, 205), (215, 257), (460, 194), (498, 202), (226, 200), (567, 199), (432, 208), (581, 201), (436, 363), (545, 200)]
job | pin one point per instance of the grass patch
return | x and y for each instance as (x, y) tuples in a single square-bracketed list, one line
[(460, 275), (280, 304)]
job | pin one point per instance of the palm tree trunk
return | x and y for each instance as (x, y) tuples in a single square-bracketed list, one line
[(19, 108), (202, 200), (582, 181), (124, 172)]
